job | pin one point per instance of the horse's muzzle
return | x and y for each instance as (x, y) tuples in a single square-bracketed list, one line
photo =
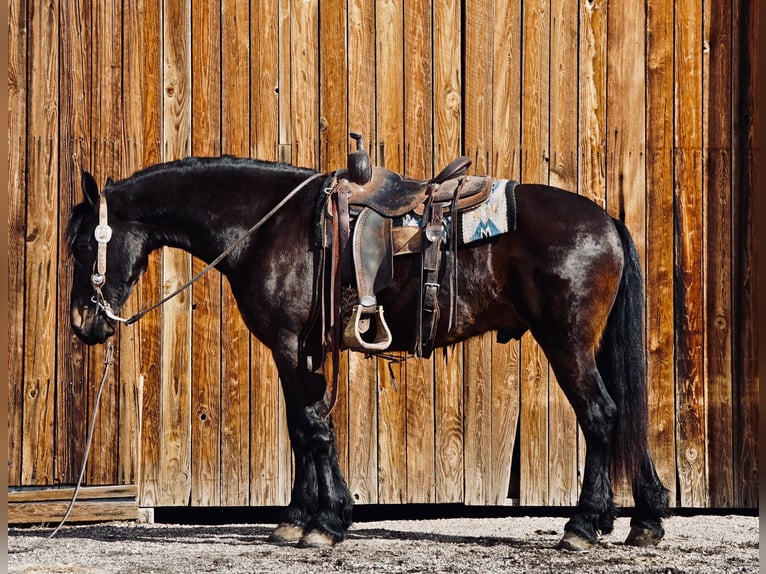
[(90, 324)]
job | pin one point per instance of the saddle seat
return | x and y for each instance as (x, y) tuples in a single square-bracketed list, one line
[(392, 195)]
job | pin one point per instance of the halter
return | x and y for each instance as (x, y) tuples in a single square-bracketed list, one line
[(103, 233)]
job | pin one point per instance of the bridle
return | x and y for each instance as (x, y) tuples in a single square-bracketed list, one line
[(103, 234)]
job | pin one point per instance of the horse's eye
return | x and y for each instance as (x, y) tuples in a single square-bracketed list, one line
[(82, 246)]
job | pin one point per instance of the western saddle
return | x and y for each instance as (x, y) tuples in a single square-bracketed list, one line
[(358, 223)]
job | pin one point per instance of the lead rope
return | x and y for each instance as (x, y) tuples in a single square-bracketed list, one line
[(108, 361)]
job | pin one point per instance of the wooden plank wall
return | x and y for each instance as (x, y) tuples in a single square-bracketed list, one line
[(648, 109)]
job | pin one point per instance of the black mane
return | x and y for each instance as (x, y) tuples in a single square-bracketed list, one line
[(203, 163), (193, 164)]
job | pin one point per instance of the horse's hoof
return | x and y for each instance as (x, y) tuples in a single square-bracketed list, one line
[(572, 542), (286, 534), (642, 537), (316, 539)]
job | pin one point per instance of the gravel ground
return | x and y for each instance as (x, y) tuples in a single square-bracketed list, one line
[(460, 545)]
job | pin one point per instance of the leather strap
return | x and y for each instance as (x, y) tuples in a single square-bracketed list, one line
[(431, 265), (340, 237), (102, 233), (453, 258)]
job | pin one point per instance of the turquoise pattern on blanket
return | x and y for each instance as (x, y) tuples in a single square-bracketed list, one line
[(487, 219), (495, 216)]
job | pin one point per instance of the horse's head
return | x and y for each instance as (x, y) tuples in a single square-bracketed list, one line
[(96, 233)]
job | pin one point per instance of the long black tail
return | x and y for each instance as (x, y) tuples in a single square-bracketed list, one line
[(621, 360)]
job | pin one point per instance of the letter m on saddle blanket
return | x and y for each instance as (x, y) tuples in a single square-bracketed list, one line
[(374, 214)]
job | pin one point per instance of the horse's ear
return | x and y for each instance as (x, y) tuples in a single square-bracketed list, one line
[(109, 181), (89, 188)]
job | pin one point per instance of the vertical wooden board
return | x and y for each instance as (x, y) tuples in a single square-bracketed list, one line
[(562, 441), (389, 108), (362, 474), (717, 126), (284, 88), (270, 455), (131, 382), (104, 437), (691, 435), (563, 100), (175, 389), (747, 182), (392, 433), (659, 240), (506, 139), (284, 452), (389, 104), (625, 108), (418, 89), (418, 163), (333, 83), (447, 81), (592, 122), (206, 410), (477, 110), (477, 354), (264, 79), (505, 416), (448, 362), (340, 413), (131, 379), (333, 135), (74, 134), (449, 437), (477, 426), (41, 235), (626, 142), (534, 168), (106, 122), (17, 198), (236, 456), (421, 482), (592, 85), (362, 429), (362, 70), (150, 286), (506, 95), (268, 475), (304, 82)]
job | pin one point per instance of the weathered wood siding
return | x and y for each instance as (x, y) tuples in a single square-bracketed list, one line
[(648, 108)]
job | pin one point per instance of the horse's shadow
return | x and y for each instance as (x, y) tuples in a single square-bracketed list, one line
[(447, 539), (258, 534), (203, 534)]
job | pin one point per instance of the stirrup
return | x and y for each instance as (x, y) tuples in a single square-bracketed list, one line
[(367, 320)]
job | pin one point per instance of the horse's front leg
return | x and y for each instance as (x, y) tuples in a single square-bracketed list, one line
[(319, 513)]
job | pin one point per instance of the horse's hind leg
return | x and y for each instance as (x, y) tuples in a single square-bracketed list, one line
[(651, 500), (595, 410)]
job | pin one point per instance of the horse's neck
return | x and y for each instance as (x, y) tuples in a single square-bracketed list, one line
[(178, 211)]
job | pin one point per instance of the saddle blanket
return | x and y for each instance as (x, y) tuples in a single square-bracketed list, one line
[(495, 216)]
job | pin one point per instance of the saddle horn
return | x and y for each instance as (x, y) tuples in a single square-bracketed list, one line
[(359, 166)]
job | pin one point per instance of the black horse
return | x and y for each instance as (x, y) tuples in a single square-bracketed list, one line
[(569, 274)]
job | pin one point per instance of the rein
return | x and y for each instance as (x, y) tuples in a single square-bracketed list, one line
[(103, 234)]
